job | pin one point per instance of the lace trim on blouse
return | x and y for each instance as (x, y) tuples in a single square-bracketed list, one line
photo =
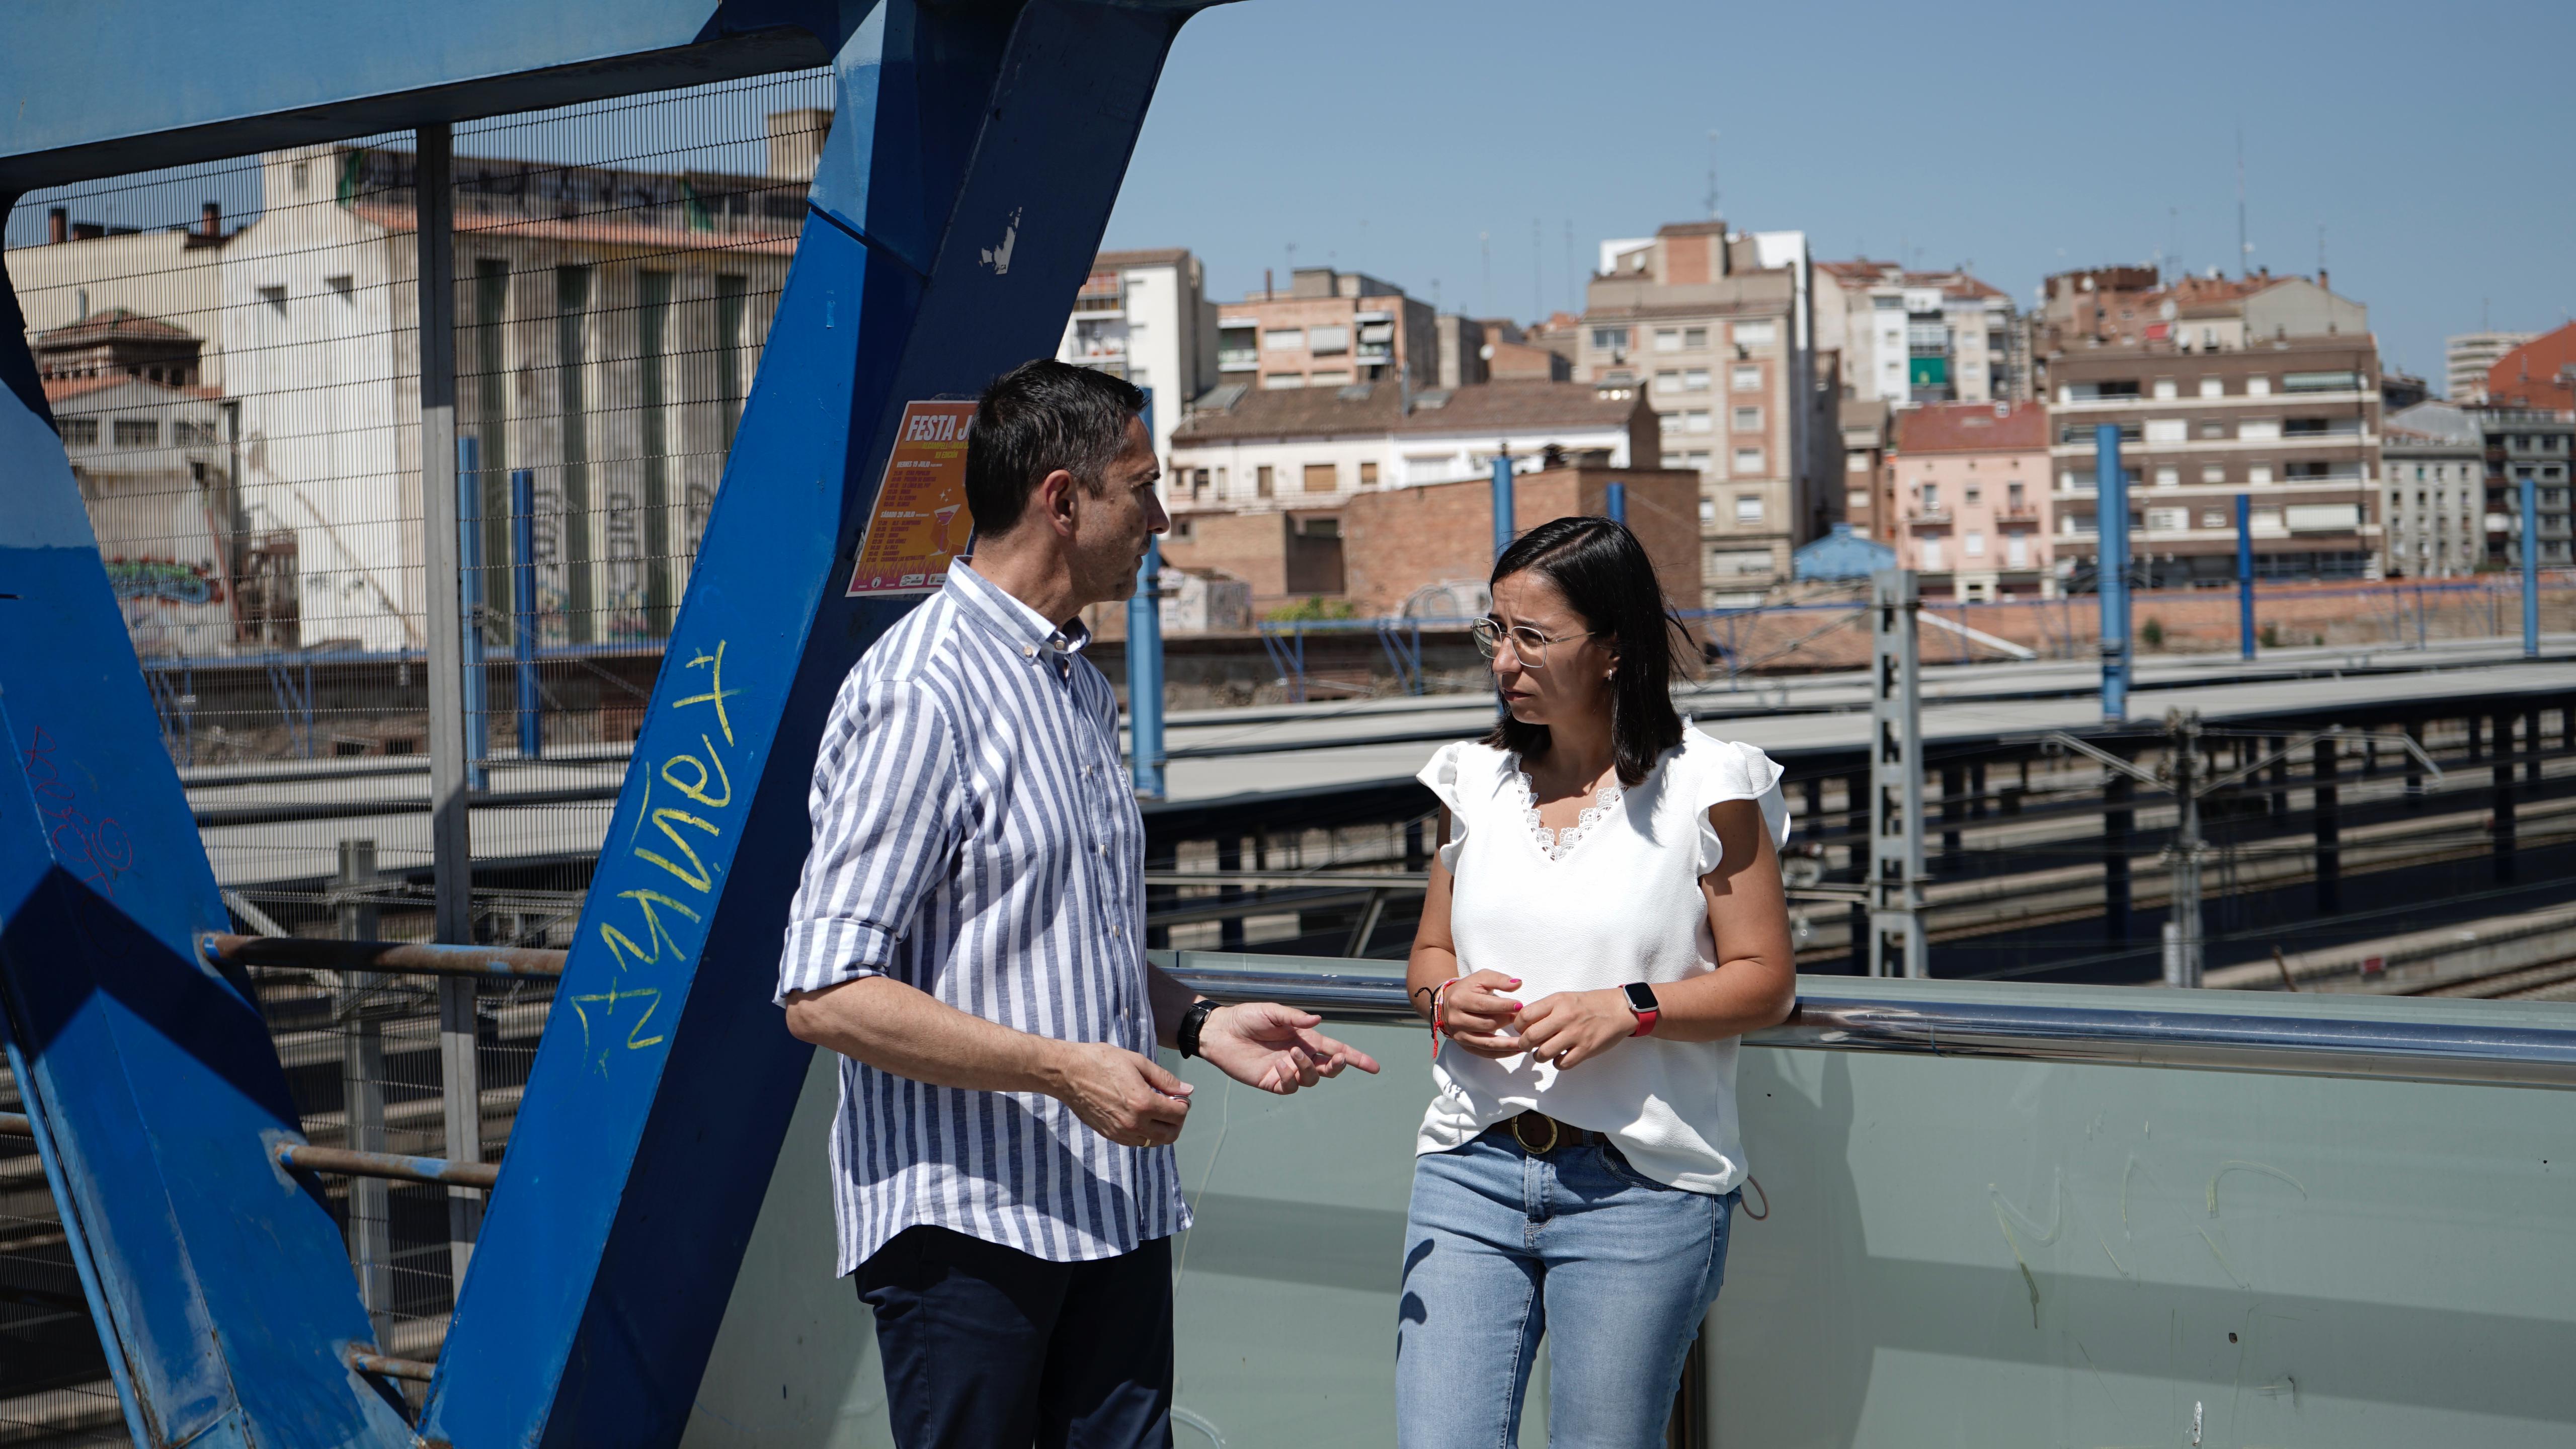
[(1554, 844)]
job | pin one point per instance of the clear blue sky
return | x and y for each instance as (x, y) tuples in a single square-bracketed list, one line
[(2435, 145)]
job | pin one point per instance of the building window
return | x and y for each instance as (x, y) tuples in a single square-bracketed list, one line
[(2165, 387), (2213, 474), (1237, 348), (1973, 544), (1668, 339), (2213, 518), (1368, 475), (2013, 496), (2259, 473), (1695, 379), (1745, 379), (1328, 341), (1694, 338), (1323, 478), (2168, 520), (1262, 486), (1276, 381), (1855, 462), (1748, 460), (2017, 550), (1748, 508), (1708, 510), (1284, 339), (1975, 493), (2169, 477), (1672, 460), (1696, 420), (192, 435), (1748, 420), (1668, 380), (1336, 377), (1610, 339), (2212, 387), (138, 432), (2258, 387), (2321, 382), (2164, 430), (1756, 334), (1696, 458), (79, 432), (1931, 493), (1932, 560)]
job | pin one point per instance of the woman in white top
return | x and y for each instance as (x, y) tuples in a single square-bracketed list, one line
[(1604, 919)]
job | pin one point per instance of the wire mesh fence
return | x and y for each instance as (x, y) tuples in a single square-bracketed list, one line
[(232, 355)]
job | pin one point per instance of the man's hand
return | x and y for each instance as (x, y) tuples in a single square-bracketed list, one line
[(1273, 1047), (1571, 1027), (1126, 1098)]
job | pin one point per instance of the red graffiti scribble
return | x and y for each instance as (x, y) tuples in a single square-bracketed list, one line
[(101, 847)]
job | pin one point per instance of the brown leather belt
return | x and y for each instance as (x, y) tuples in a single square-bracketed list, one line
[(1539, 1134)]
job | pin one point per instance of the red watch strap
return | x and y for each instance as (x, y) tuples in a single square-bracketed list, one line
[(1645, 1022)]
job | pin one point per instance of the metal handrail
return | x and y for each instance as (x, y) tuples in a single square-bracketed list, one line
[(2138, 1037)]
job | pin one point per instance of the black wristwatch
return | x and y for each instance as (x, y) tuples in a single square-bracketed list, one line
[(1192, 1021)]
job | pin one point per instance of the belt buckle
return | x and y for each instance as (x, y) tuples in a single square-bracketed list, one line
[(1525, 1142)]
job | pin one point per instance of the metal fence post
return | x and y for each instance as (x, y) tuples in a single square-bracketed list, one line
[(2530, 569), (523, 598), (1503, 530), (450, 784), (2111, 576), (1616, 500), (362, 1086), (2245, 575), (1145, 674), (1896, 945)]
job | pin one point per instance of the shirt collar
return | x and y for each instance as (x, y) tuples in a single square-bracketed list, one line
[(1030, 634)]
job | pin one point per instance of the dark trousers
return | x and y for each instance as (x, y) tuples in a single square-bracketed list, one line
[(986, 1347)]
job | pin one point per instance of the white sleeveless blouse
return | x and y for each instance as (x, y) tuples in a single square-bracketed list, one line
[(1621, 904)]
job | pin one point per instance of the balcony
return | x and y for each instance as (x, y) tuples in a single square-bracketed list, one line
[(1929, 516), (1238, 359), (2065, 1215)]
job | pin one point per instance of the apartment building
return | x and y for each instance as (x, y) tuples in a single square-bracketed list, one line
[(2260, 385), (1328, 329), (2433, 458), (2466, 358), (1971, 485), (1145, 316), (1920, 337), (1304, 449), (1869, 493), (1717, 327), (2526, 443)]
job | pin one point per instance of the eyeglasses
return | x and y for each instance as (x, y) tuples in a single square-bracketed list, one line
[(1529, 646)]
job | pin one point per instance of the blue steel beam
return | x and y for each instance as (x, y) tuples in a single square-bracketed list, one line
[(219, 1283), (959, 203)]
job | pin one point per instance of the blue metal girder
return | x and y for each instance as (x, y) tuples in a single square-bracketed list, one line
[(959, 204), (220, 1284)]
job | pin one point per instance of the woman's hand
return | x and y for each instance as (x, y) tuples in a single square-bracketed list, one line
[(1479, 1018), (1572, 1027)]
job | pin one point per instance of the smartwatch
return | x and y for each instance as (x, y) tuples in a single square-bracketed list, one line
[(1186, 1040), (1641, 1000)]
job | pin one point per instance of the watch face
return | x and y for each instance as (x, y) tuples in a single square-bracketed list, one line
[(1641, 997)]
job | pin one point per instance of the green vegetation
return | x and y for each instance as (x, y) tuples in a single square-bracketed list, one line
[(2153, 634), (1313, 609)]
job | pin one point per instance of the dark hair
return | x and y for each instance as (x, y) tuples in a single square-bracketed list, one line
[(1604, 573), (1040, 416)]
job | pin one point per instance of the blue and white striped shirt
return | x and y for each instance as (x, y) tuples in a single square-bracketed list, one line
[(975, 837)]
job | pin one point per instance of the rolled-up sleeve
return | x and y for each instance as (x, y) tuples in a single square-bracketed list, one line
[(888, 811)]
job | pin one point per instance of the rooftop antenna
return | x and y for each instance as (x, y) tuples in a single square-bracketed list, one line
[(2244, 248), (1538, 275), (1712, 174)]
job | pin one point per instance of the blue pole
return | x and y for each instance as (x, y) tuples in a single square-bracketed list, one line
[(469, 568), (2245, 574), (2111, 523), (1618, 504), (2530, 569), (1145, 674), (1503, 530), (523, 599)]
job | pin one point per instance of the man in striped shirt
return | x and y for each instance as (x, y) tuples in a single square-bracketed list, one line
[(967, 934)]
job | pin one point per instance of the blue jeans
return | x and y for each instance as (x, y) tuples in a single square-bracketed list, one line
[(1501, 1246)]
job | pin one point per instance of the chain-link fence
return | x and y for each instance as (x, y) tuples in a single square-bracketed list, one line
[(232, 355)]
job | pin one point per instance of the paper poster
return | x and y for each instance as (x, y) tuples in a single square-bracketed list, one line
[(920, 520)]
